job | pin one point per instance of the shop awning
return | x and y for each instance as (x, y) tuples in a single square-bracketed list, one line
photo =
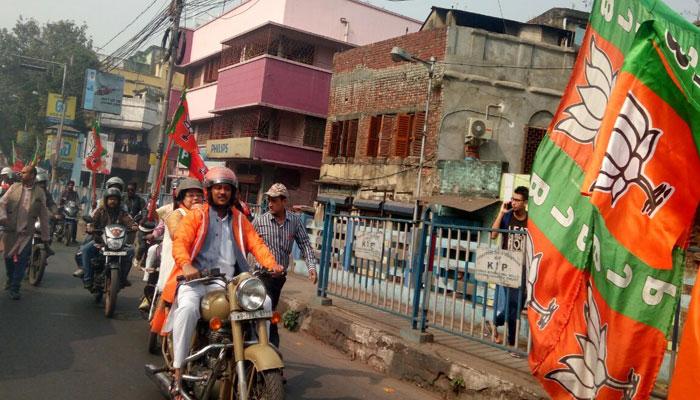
[(367, 204)]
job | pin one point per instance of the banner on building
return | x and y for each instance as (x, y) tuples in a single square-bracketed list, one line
[(54, 108), (610, 195), (103, 92)]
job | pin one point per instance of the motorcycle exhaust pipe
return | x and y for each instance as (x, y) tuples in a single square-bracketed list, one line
[(160, 377)]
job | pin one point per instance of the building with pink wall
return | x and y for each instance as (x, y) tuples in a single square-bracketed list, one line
[(258, 80)]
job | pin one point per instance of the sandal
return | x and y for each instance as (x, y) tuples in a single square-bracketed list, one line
[(175, 390)]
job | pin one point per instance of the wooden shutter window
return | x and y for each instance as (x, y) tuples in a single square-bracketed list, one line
[(351, 138), (385, 135), (403, 128), (373, 136), (334, 145), (417, 136)]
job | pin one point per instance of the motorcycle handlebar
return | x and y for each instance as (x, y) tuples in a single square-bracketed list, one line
[(205, 275)]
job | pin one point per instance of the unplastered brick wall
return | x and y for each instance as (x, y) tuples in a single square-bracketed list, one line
[(366, 82)]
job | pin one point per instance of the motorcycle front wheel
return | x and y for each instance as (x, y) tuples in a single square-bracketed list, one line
[(37, 266), (266, 385), (67, 234), (111, 290)]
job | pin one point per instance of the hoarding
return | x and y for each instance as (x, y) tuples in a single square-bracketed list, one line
[(54, 108), (103, 92)]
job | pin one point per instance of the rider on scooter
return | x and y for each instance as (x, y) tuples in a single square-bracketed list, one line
[(110, 212), (215, 236)]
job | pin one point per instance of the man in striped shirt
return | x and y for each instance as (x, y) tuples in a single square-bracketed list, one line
[(279, 229)]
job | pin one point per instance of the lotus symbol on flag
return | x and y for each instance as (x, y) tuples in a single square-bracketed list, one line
[(585, 118), (587, 373), (631, 146), (545, 313)]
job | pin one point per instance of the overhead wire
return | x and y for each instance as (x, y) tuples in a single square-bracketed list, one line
[(139, 15)]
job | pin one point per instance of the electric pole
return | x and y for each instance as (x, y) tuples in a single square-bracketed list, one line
[(176, 9)]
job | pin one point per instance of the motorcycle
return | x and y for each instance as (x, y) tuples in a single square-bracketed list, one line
[(65, 229), (151, 294), (231, 356), (110, 266), (37, 261)]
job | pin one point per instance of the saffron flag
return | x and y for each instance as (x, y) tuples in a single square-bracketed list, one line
[(93, 161), (193, 162), (612, 199), (181, 128)]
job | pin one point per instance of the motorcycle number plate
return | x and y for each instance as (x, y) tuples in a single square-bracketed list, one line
[(241, 316), (114, 253)]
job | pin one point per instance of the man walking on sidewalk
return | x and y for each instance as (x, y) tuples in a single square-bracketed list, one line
[(280, 229), (19, 209)]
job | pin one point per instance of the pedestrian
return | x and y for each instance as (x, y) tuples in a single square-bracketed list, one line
[(512, 216), (19, 209), (280, 228), (215, 236)]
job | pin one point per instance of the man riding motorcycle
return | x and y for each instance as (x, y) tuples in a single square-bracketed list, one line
[(69, 194), (215, 236), (110, 212)]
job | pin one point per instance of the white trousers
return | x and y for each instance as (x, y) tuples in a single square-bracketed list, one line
[(185, 315)]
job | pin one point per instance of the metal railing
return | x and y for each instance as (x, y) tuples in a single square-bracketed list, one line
[(433, 284)]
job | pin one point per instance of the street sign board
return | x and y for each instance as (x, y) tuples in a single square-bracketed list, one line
[(103, 92), (368, 245), (502, 267)]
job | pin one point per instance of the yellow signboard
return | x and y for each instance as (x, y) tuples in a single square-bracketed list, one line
[(68, 150), (54, 108)]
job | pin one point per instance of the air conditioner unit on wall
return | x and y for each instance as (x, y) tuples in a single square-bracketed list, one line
[(478, 129)]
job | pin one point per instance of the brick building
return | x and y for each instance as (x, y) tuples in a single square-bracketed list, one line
[(258, 79), (507, 76)]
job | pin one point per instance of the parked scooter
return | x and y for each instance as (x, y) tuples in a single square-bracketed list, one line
[(110, 266), (65, 228), (231, 356)]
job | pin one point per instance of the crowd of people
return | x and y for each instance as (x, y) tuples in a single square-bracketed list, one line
[(206, 227)]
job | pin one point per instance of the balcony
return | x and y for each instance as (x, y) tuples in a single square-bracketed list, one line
[(134, 162), (273, 82)]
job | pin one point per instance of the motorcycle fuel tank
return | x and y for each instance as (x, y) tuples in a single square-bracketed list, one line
[(215, 304)]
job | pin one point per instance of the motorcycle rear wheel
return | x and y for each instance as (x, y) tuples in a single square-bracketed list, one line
[(37, 266), (111, 290)]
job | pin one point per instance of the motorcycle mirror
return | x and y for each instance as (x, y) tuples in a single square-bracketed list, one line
[(149, 225)]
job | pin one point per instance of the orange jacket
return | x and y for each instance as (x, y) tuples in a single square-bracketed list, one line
[(190, 235)]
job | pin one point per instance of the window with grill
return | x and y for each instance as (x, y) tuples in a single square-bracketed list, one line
[(343, 138), (533, 137), (314, 129), (211, 70)]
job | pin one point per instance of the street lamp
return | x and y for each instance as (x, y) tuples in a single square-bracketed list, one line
[(59, 134), (398, 55)]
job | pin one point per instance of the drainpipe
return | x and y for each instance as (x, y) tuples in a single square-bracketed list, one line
[(345, 22)]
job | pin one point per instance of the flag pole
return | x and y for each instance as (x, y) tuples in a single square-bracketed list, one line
[(159, 180)]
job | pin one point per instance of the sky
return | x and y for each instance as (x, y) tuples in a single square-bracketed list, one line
[(106, 18)]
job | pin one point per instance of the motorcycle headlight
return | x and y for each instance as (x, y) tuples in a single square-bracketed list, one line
[(37, 225), (114, 244), (251, 294)]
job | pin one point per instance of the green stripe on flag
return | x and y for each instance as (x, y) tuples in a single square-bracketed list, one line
[(628, 285)]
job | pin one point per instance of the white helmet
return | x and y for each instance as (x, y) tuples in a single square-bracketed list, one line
[(42, 177), (6, 171), (115, 180)]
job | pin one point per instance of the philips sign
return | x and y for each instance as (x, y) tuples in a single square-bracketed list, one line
[(230, 148)]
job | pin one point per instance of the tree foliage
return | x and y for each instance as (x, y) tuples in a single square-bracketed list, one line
[(24, 91)]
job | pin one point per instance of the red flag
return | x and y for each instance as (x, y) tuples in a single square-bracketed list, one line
[(194, 162)]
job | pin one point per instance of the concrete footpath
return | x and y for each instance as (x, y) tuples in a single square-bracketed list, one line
[(455, 367)]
